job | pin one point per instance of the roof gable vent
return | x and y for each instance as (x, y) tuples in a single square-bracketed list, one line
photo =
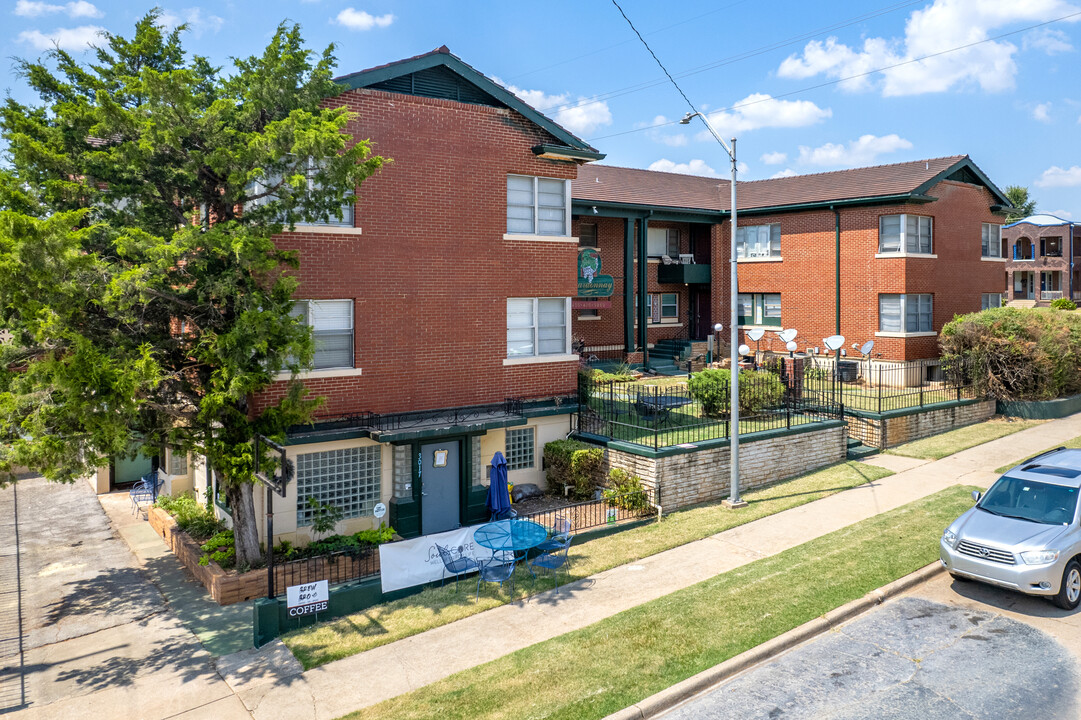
[(438, 82)]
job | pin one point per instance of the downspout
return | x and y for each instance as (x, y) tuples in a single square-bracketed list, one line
[(643, 286), (837, 266)]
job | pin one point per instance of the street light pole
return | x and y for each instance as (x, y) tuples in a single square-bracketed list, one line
[(733, 500)]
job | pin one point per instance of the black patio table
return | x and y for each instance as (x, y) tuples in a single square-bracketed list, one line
[(651, 407)]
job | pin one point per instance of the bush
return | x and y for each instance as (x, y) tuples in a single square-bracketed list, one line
[(357, 542), (626, 491), (1064, 304), (1017, 353), (575, 463), (325, 517), (191, 517), (757, 391), (221, 549)]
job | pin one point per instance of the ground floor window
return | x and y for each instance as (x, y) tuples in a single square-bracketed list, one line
[(1051, 281), (178, 462), (520, 448), (759, 309), (905, 313), (348, 479), (990, 300)]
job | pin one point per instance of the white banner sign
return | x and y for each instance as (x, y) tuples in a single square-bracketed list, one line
[(415, 562), (307, 598)]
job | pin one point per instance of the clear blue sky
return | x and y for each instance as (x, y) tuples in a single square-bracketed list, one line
[(788, 79)]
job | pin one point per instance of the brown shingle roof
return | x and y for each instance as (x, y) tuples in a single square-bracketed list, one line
[(604, 183)]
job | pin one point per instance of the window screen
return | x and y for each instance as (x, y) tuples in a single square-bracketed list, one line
[(348, 479)]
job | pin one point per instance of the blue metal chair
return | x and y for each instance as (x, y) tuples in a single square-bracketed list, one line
[(561, 530), (495, 570), (456, 565), (552, 561), (145, 490)]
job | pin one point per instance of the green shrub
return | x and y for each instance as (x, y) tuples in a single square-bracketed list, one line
[(575, 463), (1064, 304), (357, 542), (757, 391), (221, 549), (191, 517), (324, 516), (625, 491)]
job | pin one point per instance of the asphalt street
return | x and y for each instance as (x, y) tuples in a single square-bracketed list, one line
[(945, 650)]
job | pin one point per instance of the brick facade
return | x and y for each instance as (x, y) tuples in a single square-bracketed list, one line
[(1036, 259)]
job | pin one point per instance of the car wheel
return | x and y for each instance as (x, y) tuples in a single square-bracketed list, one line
[(960, 578), (1069, 595)]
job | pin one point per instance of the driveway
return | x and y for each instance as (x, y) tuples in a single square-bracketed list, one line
[(943, 650), (94, 637)]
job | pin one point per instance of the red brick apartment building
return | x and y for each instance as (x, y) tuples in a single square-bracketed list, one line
[(1042, 253), (446, 303)]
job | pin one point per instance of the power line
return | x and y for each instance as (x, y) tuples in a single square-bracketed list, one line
[(670, 78), (850, 77)]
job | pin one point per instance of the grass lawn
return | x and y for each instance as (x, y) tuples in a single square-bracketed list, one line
[(1075, 444), (595, 671), (939, 446), (322, 643)]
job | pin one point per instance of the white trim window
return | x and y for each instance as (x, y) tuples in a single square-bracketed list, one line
[(759, 309), (758, 241), (311, 172), (331, 322), (538, 205), (991, 241), (990, 300), (906, 313), (178, 462), (662, 241), (909, 234), (538, 326)]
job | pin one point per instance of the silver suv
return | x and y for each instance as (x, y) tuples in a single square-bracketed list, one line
[(1023, 533)]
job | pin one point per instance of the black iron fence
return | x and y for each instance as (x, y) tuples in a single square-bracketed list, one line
[(610, 509), (338, 567), (880, 387)]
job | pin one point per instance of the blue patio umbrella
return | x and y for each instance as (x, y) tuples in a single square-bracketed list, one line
[(498, 497)]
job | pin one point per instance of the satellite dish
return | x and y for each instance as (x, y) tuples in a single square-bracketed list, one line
[(834, 342), (791, 346), (788, 335), (866, 349), (718, 327), (756, 334), (743, 350)]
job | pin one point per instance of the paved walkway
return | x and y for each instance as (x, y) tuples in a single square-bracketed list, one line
[(273, 690)]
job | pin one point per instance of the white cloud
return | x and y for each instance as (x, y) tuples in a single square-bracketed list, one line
[(359, 20), (77, 38), (787, 172), (1064, 214), (1050, 41), (581, 116), (694, 167), (192, 17), (1055, 176), (77, 9), (858, 152), (774, 158), (1042, 112), (944, 25), (762, 111), (663, 135)]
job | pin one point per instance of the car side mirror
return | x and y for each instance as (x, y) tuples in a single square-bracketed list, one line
[(976, 495)]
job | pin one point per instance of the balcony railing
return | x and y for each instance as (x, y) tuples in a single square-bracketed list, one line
[(1050, 294)]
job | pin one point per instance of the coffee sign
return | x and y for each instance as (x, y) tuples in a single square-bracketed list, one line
[(307, 598)]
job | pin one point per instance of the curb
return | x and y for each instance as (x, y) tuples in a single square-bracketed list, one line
[(696, 684)]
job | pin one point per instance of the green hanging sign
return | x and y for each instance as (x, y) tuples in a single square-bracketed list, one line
[(590, 282)]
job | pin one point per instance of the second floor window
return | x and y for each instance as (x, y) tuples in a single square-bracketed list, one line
[(537, 205), (587, 235), (758, 241), (1051, 247), (1024, 249), (909, 234), (905, 313), (991, 241), (331, 322), (537, 326), (759, 309), (297, 216), (662, 241)]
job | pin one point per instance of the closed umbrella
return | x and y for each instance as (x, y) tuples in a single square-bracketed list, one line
[(498, 497)]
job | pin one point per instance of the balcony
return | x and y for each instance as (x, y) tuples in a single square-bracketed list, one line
[(683, 274)]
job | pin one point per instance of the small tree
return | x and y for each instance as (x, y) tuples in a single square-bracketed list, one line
[(145, 297), (325, 517), (1023, 205)]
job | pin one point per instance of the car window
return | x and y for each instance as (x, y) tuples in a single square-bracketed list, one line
[(1030, 500)]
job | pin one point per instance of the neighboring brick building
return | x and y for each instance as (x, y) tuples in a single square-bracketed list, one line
[(912, 240), (1041, 260)]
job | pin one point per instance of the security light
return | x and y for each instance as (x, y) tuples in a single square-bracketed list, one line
[(687, 118)]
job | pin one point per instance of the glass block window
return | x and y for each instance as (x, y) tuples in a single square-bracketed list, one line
[(520, 445), (347, 479), (480, 476), (403, 471)]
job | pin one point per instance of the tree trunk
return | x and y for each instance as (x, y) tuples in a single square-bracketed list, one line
[(245, 524)]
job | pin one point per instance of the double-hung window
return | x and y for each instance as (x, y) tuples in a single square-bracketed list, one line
[(909, 234), (537, 205), (310, 168), (662, 241), (331, 322), (759, 309), (990, 300), (759, 241), (537, 326), (905, 313), (991, 241)]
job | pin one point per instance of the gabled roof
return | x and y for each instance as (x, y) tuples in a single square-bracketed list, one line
[(432, 71), (897, 182)]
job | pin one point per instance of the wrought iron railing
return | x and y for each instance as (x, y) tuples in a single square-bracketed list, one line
[(864, 385), (336, 568), (611, 509)]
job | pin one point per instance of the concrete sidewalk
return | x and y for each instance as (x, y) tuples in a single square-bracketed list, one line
[(271, 689)]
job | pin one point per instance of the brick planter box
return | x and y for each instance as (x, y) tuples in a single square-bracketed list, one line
[(228, 587)]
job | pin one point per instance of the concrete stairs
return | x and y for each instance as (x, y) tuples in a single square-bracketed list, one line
[(857, 449), (669, 357)]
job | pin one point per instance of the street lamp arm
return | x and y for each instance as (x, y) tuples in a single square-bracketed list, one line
[(712, 131)]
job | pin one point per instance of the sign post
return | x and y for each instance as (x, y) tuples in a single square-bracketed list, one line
[(274, 484)]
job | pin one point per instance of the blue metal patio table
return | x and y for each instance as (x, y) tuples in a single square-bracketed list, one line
[(514, 535)]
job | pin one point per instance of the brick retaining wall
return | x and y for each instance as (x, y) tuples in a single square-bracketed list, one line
[(702, 475), (891, 430)]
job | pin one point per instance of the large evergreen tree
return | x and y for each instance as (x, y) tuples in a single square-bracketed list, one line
[(142, 298)]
